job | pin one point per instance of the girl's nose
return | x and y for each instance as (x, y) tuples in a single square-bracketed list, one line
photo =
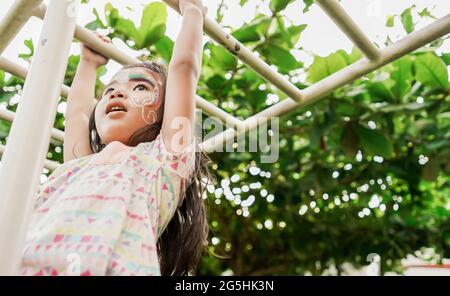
[(117, 93)]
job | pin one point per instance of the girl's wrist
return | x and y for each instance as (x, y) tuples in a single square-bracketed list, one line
[(88, 63), (194, 10)]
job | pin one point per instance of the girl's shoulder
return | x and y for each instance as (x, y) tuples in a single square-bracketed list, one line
[(181, 163)]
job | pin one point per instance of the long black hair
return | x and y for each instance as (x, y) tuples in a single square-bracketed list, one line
[(181, 245)]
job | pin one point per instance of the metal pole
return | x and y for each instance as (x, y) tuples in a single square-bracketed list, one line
[(345, 22), (327, 85), (15, 19), (28, 142)]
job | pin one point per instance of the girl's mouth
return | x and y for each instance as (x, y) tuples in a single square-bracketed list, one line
[(115, 107)]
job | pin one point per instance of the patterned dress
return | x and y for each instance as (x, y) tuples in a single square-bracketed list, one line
[(104, 218)]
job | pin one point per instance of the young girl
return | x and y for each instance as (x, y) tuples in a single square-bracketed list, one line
[(128, 198)]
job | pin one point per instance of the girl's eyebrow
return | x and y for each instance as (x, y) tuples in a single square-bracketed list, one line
[(135, 77), (141, 77)]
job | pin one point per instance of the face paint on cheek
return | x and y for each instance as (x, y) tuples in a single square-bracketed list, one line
[(149, 116), (142, 101)]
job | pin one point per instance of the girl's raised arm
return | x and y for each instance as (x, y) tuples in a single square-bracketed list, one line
[(80, 104), (183, 74)]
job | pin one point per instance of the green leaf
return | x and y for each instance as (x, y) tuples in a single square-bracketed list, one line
[(286, 36), (308, 4), (216, 82), (127, 28), (381, 90), (242, 2), (390, 21), (247, 34), (29, 44), (222, 58), (355, 55), (97, 23), (374, 142), (426, 13), (446, 58), (6, 96), (281, 58), (325, 66), (153, 24), (112, 15), (431, 71), (349, 140), (165, 48), (315, 135), (402, 76), (2, 78), (5, 128), (278, 5), (295, 32), (407, 20), (430, 170), (344, 108)]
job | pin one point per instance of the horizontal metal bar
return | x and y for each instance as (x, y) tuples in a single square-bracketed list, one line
[(214, 30), (21, 72), (15, 19), (90, 39), (48, 164), (9, 116), (345, 22), (352, 72)]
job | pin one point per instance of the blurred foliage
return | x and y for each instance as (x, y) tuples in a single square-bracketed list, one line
[(365, 170)]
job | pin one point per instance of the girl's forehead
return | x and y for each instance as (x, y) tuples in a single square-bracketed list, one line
[(125, 75)]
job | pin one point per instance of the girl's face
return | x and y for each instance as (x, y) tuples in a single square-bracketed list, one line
[(129, 102)]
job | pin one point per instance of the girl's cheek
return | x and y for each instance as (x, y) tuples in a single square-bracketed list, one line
[(144, 99)]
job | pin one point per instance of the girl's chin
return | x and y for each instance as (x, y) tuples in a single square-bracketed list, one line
[(116, 114)]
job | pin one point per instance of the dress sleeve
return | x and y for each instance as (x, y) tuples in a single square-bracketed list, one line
[(182, 163), (175, 172)]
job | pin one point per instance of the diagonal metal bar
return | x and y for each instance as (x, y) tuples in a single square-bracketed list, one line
[(345, 22), (88, 37), (327, 85), (15, 19), (214, 30)]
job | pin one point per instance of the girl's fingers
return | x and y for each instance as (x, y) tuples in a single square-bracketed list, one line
[(103, 37)]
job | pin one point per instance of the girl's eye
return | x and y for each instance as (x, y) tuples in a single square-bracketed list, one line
[(109, 90), (141, 87)]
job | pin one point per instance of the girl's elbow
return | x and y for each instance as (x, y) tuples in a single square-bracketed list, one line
[(189, 66)]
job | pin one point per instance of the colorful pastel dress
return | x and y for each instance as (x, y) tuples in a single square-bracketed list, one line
[(100, 218)]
